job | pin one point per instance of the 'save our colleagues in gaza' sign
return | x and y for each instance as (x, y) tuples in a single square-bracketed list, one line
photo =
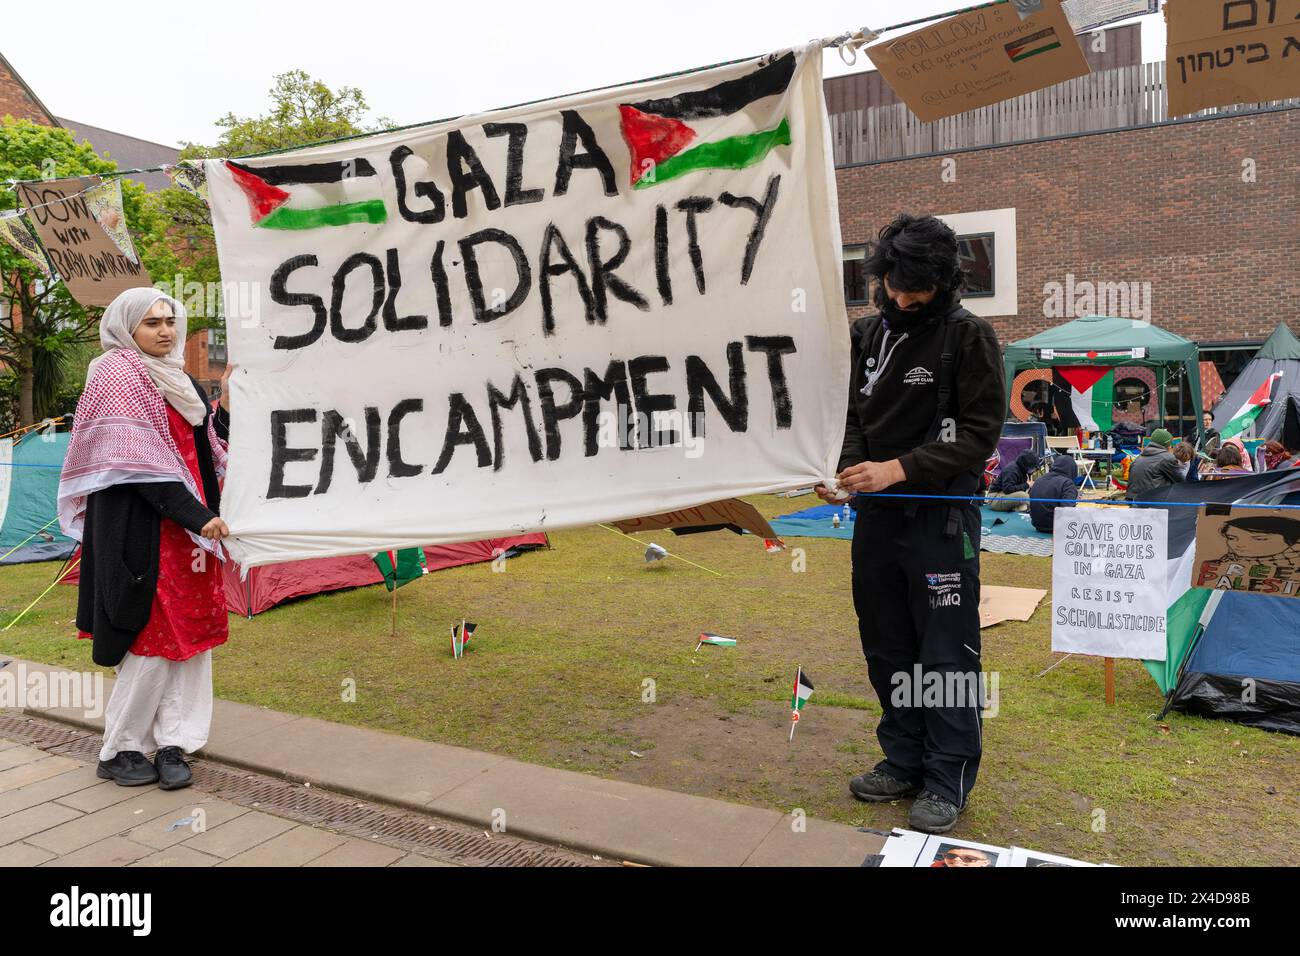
[(611, 305)]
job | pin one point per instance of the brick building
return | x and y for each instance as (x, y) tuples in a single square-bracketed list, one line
[(1193, 224)]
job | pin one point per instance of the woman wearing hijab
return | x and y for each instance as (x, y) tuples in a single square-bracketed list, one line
[(140, 490)]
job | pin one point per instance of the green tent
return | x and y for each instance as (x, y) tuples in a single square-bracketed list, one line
[(1100, 340)]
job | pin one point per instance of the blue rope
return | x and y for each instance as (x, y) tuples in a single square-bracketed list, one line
[(1074, 501)]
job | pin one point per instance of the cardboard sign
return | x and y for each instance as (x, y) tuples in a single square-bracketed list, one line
[(732, 511), (1225, 52), (979, 58), (94, 269), (1109, 571), (1249, 549), (998, 604)]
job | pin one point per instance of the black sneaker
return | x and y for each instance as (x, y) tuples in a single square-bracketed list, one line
[(879, 787), (173, 771), (128, 769), (932, 813)]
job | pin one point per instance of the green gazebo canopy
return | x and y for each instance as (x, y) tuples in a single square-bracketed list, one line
[(1106, 340)]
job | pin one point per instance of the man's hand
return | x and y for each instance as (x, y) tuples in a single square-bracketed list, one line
[(830, 497), (215, 529), (871, 476), (225, 386)]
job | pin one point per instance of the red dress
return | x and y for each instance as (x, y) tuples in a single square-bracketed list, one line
[(189, 605)]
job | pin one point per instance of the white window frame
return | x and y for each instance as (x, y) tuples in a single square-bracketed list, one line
[(1002, 224)]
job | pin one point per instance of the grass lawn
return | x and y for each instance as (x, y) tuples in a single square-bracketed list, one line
[(568, 638)]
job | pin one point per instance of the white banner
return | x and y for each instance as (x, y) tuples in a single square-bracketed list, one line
[(608, 306), (1109, 592)]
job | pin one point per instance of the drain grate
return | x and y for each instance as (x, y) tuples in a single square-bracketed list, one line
[(444, 840)]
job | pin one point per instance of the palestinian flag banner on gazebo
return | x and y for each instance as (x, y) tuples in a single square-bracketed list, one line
[(1085, 396)]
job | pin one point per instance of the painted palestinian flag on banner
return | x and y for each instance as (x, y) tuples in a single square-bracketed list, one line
[(717, 640), (713, 128), (1245, 416), (311, 195), (1084, 396), (400, 567), (803, 689)]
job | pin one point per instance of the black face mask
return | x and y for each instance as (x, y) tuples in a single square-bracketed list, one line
[(905, 320)]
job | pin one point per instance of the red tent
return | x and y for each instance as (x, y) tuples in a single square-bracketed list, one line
[(272, 584)]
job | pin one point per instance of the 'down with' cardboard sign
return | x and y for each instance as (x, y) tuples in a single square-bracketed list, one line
[(979, 58)]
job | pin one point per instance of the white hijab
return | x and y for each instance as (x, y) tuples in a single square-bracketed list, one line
[(116, 331)]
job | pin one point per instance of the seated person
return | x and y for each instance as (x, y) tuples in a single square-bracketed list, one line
[(1155, 468), (1276, 455), (1047, 492), (1185, 452), (1229, 461), (1010, 489)]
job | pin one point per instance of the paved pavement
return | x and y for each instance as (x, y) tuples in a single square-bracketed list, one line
[(54, 811), (608, 819)]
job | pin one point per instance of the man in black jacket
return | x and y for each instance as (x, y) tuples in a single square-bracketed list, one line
[(925, 411), (1049, 491)]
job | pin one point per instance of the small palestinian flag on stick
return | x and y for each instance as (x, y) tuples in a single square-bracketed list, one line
[(400, 567), (803, 689), (1245, 416), (716, 640), (701, 129), (318, 194), (460, 636)]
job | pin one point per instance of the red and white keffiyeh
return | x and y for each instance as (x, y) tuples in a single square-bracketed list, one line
[(120, 435)]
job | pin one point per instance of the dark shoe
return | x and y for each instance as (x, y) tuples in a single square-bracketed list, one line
[(879, 787), (128, 769), (173, 771), (932, 813)]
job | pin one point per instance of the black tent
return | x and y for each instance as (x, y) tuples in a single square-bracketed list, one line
[(1280, 419)]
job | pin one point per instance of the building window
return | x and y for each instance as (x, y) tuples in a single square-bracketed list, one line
[(992, 288), (216, 346), (975, 255), (855, 275)]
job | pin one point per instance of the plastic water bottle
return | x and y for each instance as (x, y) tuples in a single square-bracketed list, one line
[(848, 513), (835, 520)]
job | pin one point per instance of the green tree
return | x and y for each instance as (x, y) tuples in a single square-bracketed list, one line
[(41, 325), (303, 110)]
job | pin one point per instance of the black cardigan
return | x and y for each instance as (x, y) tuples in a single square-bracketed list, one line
[(119, 546)]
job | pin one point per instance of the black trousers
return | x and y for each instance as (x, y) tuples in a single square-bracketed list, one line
[(916, 590)]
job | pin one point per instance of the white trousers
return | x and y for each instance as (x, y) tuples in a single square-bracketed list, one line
[(157, 703)]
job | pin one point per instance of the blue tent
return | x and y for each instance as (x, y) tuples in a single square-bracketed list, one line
[(29, 487)]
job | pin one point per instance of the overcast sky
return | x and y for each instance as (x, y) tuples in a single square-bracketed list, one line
[(164, 72)]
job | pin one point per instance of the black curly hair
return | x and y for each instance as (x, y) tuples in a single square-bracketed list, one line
[(918, 253), (1288, 528)]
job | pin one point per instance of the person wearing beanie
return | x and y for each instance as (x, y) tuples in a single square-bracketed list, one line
[(1155, 468)]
